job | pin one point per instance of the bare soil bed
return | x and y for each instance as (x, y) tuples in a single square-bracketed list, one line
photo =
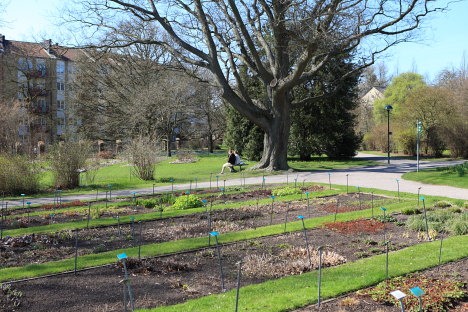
[(355, 302), (174, 279), (39, 248)]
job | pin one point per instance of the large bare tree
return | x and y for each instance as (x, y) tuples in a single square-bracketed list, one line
[(282, 42)]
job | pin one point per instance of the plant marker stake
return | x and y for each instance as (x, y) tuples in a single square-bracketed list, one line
[(399, 296), (308, 203), (217, 181), (295, 183), (398, 184), (440, 252), (384, 231), (153, 189), (238, 284), (97, 192), (286, 218), (329, 180), (172, 186), (126, 284), (263, 182), (139, 239), (22, 195), (208, 219), (224, 185), (306, 240), (89, 215), (303, 182), (132, 227), (386, 260), (76, 250), (271, 212), (336, 208), (347, 185), (29, 209), (418, 292), (134, 198), (196, 183), (106, 199), (372, 205), (425, 217), (118, 225), (359, 195), (215, 234), (211, 175), (1, 225), (419, 189), (190, 189), (320, 273)]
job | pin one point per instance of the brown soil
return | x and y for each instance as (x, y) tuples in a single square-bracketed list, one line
[(41, 248), (355, 302), (174, 279)]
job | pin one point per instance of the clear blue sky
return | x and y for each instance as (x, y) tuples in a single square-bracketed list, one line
[(445, 37)]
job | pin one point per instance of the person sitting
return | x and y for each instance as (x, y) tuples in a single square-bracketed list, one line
[(238, 162), (230, 163)]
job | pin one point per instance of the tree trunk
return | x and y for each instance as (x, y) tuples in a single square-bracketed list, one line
[(210, 143), (168, 148), (275, 143)]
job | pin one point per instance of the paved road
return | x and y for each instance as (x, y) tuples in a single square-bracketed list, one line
[(380, 177)]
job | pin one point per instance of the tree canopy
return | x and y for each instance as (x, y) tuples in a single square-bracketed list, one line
[(282, 43)]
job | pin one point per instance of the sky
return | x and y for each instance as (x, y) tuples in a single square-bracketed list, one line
[(443, 43)]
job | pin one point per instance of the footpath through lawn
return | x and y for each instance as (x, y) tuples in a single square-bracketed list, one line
[(296, 291)]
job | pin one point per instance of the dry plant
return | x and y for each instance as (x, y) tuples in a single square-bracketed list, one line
[(289, 261), (349, 302), (144, 156)]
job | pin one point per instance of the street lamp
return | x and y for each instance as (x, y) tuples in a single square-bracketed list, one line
[(388, 108), (418, 131)]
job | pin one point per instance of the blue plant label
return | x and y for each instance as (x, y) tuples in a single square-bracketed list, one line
[(28, 203), (133, 193), (122, 256), (307, 193), (398, 294), (418, 292), (272, 197), (300, 217), (132, 218), (422, 198), (23, 194), (52, 215), (109, 185), (384, 209), (214, 233), (171, 180), (204, 201), (188, 192), (397, 180)]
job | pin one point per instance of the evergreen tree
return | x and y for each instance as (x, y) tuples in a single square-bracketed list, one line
[(326, 126)]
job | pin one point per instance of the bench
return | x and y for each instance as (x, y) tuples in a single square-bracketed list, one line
[(240, 165)]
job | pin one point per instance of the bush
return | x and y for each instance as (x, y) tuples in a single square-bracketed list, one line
[(443, 204), (187, 202), (66, 159), (286, 191), (459, 226), (18, 175), (144, 156), (411, 211)]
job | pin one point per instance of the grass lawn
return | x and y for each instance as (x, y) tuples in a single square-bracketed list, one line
[(445, 154), (433, 176), (120, 175)]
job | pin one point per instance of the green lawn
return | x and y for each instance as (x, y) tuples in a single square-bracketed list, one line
[(120, 175), (434, 176), (445, 154)]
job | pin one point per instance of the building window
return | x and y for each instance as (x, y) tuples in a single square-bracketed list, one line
[(61, 122), (61, 104), (60, 67), (43, 121), (60, 86)]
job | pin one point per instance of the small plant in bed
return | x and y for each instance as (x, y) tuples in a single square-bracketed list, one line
[(440, 294), (186, 202), (286, 191)]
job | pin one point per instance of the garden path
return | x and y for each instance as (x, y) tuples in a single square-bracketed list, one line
[(382, 176)]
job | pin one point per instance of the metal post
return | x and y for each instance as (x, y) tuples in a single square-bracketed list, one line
[(418, 130), (89, 215), (388, 108), (238, 284), (271, 212), (76, 250), (286, 218), (139, 240), (319, 274), (419, 189), (425, 217), (306, 241), (347, 184), (211, 175), (440, 252), (398, 186), (386, 260), (215, 234), (329, 180), (372, 203)]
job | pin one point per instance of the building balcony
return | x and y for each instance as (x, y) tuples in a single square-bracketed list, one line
[(36, 73), (37, 92), (39, 109)]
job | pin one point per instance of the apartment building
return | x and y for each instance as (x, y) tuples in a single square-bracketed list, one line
[(37, 77)]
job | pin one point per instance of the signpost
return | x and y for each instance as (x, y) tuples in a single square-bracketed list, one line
[(418, 292), (399, 295)]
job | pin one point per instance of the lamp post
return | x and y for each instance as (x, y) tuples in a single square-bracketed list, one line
[(388, 108), (418, 131)]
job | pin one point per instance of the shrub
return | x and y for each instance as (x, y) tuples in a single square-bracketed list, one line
[(186, 202), (18, 175), (442, 204), (410, 211), (144, 156), (66, 160), (286, 191)]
